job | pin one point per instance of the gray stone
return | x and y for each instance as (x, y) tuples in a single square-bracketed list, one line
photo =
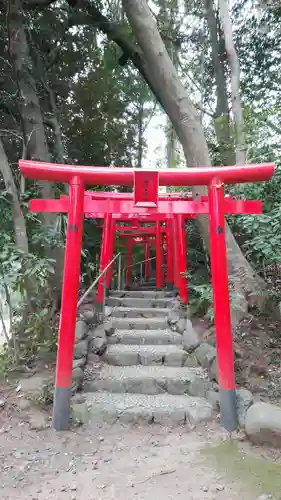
[(89, 317), (266, 496), (32, 387), (173, 317), (150, 380), (81, 330), (79, 363), (77, 374), (145, 312), (263, 424), (175, 358), (139, 323), (181, 325), (98, 345), (213, 371), (109, 328), (164, 409), (81, 349), (133, 354), (190, 339), (191, 361), (214, 399), (121, 357), (205, 354), (2, 403), (146, 337), (98, 332), (244, 400)]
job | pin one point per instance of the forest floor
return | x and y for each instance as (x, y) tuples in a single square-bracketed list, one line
[(125, 462), (112, 462)]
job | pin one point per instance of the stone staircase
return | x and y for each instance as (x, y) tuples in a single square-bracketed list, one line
[(143, 373)]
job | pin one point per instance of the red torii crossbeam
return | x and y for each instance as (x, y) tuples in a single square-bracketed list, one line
[(77, 177)]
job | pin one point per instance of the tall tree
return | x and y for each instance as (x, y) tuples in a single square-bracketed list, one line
[(166, 84), (240, 139)]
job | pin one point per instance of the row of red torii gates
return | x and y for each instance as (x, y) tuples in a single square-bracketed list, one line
[(167, 213)]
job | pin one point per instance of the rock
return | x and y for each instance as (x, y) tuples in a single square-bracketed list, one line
[(263, 424), (205, 354), (213, 398), (98, 346), (190, 340), (81, 330), (81, 349), (77, 375), (109, 328), (217, 487), (38, 421), (173, 317), (37, 387), (2, 403), (181, 325), (213, 371), (98, 332), (266, 496), (89, 317), (244, 400), (79, 363), (191, 361)]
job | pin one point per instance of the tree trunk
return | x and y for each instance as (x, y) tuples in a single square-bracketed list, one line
[(221, 116), (21, 238), (175, 99), (18, 217), (31, 115), (233, 60), (140, 133)]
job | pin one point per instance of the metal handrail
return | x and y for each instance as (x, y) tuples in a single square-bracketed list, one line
[(97, 280), (141, 262)]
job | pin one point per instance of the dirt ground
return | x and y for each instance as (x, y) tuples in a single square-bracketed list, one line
[(155, 463), (115, 462)]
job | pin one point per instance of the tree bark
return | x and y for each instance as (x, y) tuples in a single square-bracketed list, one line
[(20, 230), (18, 217), (179, 107), (221, 116), (30, 112), (233, 60)]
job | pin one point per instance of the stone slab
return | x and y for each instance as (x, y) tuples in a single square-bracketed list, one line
[(164, 409), (140, 293), (149, 380), (139, 323), (138, 312), (128, 355), (145, 337), (139, 302)]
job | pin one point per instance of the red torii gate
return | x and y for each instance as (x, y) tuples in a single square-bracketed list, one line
[(145, 201)]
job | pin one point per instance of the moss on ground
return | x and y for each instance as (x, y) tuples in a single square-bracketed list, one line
[(258, 476)]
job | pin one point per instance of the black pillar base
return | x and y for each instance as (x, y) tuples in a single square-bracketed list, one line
[(228, 409), (61, 408)]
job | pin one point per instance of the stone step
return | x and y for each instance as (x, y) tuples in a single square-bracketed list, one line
[(145, 337), (163, 409), (141, 294), (139, 323), (145, 288), (139, 312), (164, 302), (149, 380), (128, 355)]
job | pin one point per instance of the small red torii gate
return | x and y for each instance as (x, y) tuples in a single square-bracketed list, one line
[(146, 200)]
